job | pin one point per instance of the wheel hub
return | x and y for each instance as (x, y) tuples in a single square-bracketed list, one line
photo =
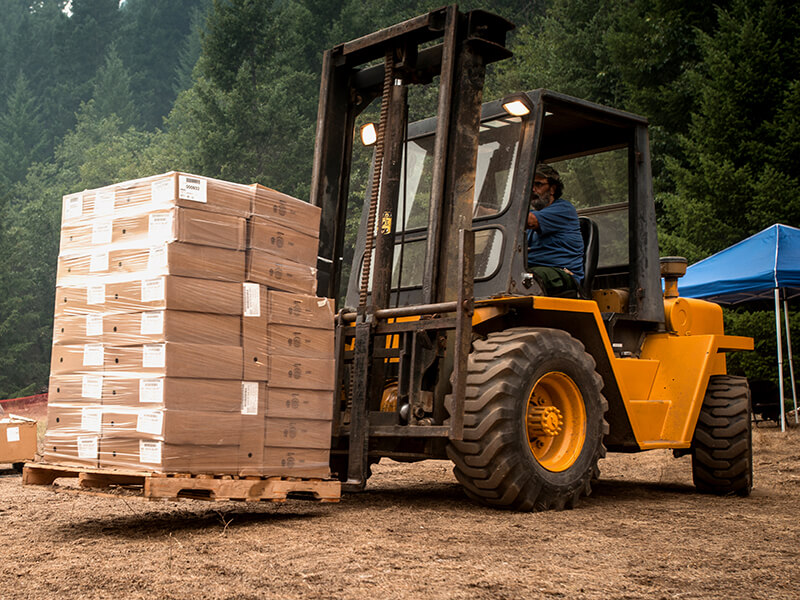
[(544, 421), (555, 421)]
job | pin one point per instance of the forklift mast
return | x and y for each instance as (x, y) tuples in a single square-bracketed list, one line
[(468, 43), (351, 80)]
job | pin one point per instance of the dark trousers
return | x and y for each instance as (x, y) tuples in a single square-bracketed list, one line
[(555, 282)]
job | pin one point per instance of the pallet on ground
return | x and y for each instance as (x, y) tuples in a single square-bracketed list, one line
[(175, 486)]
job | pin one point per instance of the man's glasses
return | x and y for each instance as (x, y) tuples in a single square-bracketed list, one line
[(540, 183)]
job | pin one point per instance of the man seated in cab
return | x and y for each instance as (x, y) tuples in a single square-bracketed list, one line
[(555, 244)]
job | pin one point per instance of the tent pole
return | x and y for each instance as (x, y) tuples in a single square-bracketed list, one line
[(780, 355), (791, 362)]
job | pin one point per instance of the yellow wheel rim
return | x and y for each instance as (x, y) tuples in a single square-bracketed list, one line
[(555, 421)]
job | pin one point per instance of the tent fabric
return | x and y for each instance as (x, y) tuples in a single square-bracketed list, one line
[(749, 270)]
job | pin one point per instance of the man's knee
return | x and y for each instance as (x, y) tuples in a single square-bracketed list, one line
[(556, 282)]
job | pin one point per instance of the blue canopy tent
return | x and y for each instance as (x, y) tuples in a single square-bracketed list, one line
[(764, 265)]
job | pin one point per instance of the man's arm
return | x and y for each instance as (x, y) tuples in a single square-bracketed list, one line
[(533, 222)]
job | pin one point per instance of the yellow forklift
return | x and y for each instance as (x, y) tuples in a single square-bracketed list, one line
[(447, 346)]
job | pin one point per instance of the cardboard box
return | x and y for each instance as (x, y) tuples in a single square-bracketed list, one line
[(251, 439), (136, 328), (287, 308), (298, 372), (18, 441), (299, 404), (72, 420), (160, 457), (81, 207), (184, 190), (173, 426), (176, 426), (294, 340), (285, 210), (70, 450), (156, 227), (254, 332), (149, 293), (280, 273), (283, 241), (297, 433), (167, 359), (137, 390), (174, 258), (296, 462)]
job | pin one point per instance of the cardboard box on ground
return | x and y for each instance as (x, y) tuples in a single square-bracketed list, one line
[(186, 334), (17, 440)]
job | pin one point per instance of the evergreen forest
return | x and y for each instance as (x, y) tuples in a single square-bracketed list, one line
[(98, 91)]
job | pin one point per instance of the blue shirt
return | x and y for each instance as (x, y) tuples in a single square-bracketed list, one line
[(558, 242)]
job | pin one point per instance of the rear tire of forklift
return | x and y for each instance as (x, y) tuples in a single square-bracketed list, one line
[(18, 466), (534, 421), (722, 448)]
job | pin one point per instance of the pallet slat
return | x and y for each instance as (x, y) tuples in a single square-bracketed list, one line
[(175, 486)]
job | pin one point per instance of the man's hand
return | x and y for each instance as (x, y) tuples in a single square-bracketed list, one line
[(533, 222)]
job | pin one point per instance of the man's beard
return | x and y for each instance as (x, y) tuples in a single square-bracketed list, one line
[(539, 202)]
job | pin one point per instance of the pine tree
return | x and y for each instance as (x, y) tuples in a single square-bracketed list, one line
[(112, 91), (22, 135), (149, 44), (190, 50)]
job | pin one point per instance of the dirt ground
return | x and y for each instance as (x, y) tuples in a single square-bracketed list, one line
[(644, 533)]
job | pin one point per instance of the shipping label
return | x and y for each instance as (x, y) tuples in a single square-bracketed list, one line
[(150, 421), (87, 447), (151, 391), (12, 434), (149, 452), (152, 322), (96, 294), (91, 418), (94, 324), (154, 355), (162, 190), (192, 188), (249, 398), (104, 202), (98, 262), (252, 299), (92, 387), (153, 289), (101, 232), (73, 206), (157, 258), (93, 355), (159, 228)]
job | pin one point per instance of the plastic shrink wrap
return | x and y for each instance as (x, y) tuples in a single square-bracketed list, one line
[(186, 335)]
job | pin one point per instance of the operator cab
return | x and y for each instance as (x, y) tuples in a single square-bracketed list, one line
[(603, 158)]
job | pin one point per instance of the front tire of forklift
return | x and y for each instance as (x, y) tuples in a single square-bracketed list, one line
[(534, 421), (722, 448)]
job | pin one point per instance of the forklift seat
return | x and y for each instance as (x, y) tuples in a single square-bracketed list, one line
[(591, 249)]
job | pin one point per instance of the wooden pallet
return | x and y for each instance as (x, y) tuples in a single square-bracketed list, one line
[(175, 486)]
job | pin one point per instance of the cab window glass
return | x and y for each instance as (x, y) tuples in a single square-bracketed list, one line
[(597, 186), (497, 157)]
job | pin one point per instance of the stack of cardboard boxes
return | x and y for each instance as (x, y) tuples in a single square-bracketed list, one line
[(186, 334)]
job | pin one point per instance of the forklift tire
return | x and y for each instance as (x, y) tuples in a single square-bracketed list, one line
[(534, 421), (722, 448), (18, 466)]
